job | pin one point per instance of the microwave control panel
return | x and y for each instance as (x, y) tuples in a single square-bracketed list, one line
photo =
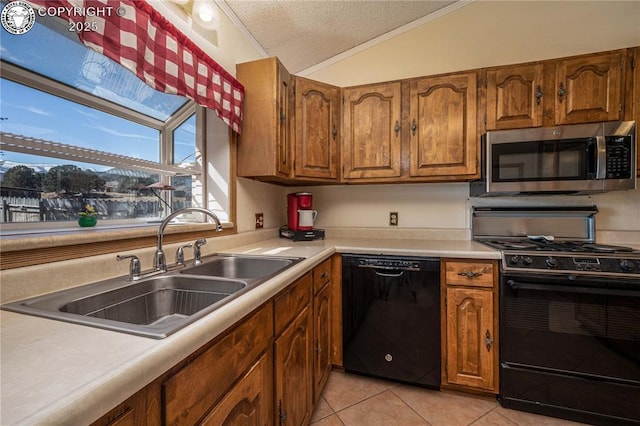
[(619, 157)]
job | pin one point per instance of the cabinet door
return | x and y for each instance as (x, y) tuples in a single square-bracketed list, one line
[(316, 129), (263, 148), (371, 138), (283, 143), (470, 334), (589, 89), (292, 372), (514, 97), (322, 336), (444, 136), (249, 402), (132, 412)]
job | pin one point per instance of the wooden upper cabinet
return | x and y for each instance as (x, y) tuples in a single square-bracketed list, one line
[(634, 87), (589, 88), (264, 148), (371, 138), (317, 129), (514, 97), (443, 128)]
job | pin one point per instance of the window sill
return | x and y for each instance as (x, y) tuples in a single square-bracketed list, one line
[(24, 249)]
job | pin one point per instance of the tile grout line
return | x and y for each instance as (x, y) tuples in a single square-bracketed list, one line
[(410, 407)]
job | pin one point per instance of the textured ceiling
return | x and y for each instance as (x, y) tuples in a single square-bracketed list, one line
[(304, 33)]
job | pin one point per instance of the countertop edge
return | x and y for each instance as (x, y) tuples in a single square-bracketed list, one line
[(89, 401)]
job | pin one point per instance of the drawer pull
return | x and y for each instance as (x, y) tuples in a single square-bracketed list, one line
[(470, 274), (324, 275)]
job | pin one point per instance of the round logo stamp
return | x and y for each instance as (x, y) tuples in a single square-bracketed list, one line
[(17, 17)]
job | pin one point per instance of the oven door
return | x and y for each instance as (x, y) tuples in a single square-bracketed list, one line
[(570, 347)]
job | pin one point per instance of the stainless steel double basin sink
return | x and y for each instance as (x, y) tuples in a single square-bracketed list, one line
[(161, 304)]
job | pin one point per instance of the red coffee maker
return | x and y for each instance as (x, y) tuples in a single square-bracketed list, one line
[(295, 202)]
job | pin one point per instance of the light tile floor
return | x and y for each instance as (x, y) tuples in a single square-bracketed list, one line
[(352, 400)]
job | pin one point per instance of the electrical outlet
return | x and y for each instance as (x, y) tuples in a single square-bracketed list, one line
[(259, 220), (393, 219)]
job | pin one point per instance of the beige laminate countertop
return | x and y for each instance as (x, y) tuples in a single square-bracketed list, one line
[(53, 372)]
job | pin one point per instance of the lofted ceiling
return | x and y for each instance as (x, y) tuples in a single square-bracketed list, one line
[(306, 33)]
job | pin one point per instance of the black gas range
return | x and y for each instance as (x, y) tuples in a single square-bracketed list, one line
[(547, 255), (569, 311)]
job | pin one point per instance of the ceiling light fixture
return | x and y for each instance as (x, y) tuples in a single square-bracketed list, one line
[(206, 14)]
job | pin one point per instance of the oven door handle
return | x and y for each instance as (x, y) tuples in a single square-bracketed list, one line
[(571, 289)]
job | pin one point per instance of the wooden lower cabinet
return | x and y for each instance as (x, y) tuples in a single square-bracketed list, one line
[(249, 402), (293, 355), (267, 369), (193, 391), (322, 322), (292, 370), (470, 325), (132, 412)]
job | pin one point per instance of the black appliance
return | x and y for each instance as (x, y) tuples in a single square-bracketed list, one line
[(569, 317), (572, 159), (391, 318)]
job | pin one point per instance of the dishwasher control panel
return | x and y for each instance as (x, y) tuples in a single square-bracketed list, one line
[(389, 263)]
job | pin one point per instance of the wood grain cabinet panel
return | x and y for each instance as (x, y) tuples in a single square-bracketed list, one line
[(469, 325), (293, 372), (195, 389), (317, 129), (322, 338), (264, 147), (514, 97), (249, 402), (371, 131), (443, 114), (589, 88), (470, 334)]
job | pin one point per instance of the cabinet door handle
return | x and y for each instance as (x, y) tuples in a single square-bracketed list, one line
[(562, 92), (396, 128), (334, 132), (413, 127), (282, 116), (324, 274), (538, 95), (282, 415), (488, 341), (470, 274)]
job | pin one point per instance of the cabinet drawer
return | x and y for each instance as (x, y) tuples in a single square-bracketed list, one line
[(321, 275), (195, 389), (288, 305), (475, 274)]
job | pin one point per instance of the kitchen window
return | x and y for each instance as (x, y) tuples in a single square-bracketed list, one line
[(77, 128)]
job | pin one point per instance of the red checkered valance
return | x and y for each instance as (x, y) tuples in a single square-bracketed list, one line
[(135, 35)]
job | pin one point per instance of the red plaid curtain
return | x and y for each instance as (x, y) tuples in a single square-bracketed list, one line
[(135, 35)]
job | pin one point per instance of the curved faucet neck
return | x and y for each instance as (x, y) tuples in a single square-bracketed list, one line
[(159, 258)]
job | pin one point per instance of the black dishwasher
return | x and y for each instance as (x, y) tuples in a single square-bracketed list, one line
[(391, 317)]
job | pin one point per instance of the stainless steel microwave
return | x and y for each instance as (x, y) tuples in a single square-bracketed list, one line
[(573, 159)]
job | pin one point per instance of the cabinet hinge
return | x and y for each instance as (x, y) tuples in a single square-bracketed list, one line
[(485, 119), (633, 63), (486, 83), (294, 89)]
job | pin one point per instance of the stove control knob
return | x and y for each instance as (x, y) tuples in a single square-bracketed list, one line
[(627, 265), (527, 260), (551, 262), (514, 260)]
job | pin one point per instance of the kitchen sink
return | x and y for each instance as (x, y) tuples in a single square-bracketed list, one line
[(243, 267), (153, 307), (159, 305)]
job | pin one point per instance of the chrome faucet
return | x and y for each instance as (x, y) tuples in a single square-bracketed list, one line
[(159, 260)]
